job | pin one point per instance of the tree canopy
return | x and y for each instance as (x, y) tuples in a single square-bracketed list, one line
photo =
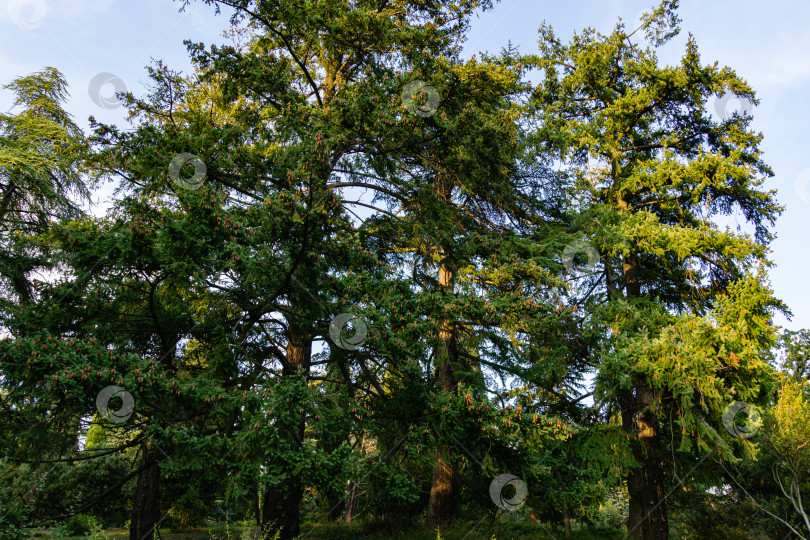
[(350, 276)]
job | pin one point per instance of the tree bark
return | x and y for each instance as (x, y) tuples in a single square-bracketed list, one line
[(445, 477), (6, 201), (647, 519), (257, 504), (280, 511), (567, 523), (145, 503), (351, 502), (442, 489)]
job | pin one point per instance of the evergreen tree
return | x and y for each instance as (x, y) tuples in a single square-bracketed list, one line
[(41, 153), (681, 306)]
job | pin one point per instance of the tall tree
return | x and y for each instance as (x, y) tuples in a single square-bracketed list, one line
[(687, 310), (322, 73)]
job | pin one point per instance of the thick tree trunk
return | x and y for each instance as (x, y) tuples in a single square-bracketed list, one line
[(647, 518), (442, 489), (648, 512), (280, 510), (445, 477), (145, 503)]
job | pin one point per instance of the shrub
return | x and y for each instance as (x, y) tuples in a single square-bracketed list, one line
[(11, 522), (78, 525), (188, 511)]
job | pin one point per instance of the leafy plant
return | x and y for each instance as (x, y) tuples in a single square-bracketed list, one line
[(78, 525)]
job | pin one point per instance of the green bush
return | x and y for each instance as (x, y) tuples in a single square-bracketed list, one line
[(614, 511), (78, 525), (11, 522), (188, 511), (42, 492), (606, 531)]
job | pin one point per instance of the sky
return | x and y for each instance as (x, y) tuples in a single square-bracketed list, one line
[(103, 45)]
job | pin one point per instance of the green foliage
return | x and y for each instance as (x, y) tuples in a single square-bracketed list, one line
[(78, 525), (212, 304), (40, 148), (49, 491), (613, 512), (788, 430), (188, 511), (679, 315), (722, 516), (41, 155), (12, 516), (787, 438)]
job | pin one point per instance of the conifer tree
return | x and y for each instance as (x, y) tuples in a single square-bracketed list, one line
[(684, 301)]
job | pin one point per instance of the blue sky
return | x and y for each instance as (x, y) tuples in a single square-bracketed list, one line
[(764, 42)]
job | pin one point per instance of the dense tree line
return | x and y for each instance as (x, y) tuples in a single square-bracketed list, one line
[(348, 273)]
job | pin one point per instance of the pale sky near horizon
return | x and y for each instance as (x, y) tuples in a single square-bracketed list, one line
[(765, 43)]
